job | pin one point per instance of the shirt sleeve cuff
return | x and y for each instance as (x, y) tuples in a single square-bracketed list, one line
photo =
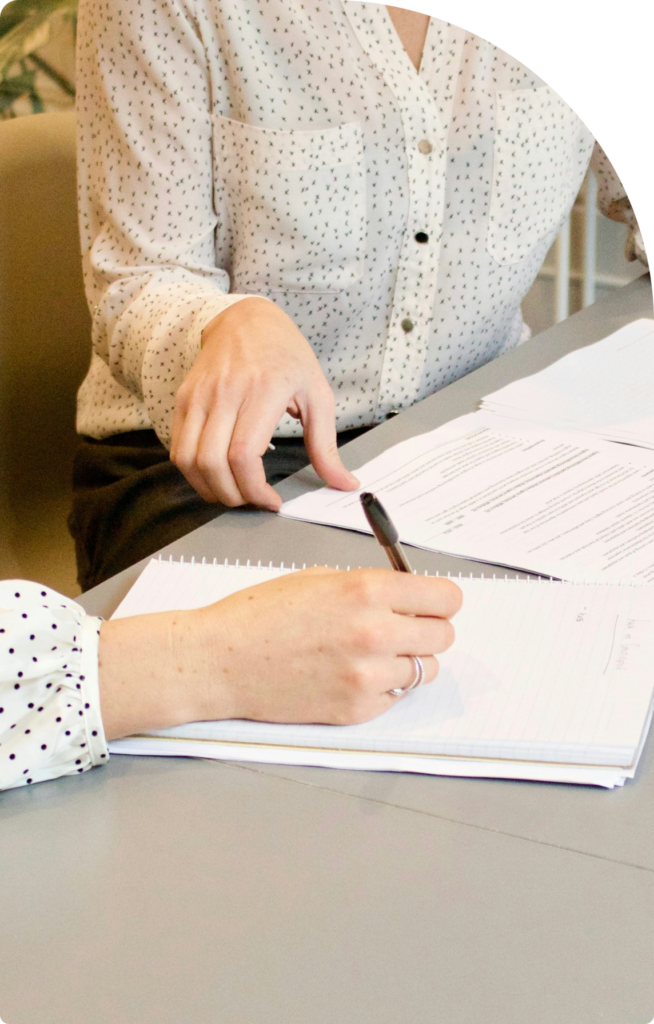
[(95, 737), (50, 715)]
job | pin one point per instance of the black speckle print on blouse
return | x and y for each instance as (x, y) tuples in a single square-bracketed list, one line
[(289, 148)]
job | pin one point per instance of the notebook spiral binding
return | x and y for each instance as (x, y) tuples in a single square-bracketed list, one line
[(434, 575)]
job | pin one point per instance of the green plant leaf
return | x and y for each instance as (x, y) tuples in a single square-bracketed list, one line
[(31, 32), (53, 74), (11, 89)]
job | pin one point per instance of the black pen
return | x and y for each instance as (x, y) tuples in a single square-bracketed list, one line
[(384, 531)]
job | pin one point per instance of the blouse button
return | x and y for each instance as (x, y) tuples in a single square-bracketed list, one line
[(407, 325), (425, 147), (391, 413), (421, 236)]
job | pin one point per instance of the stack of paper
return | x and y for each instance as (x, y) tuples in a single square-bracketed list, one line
[(546, 681), (606, 389)]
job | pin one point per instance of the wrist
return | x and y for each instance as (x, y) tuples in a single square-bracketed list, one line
[(155, 671), (245, 310)]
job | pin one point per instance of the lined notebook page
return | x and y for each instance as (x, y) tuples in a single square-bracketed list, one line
[(539, 671)]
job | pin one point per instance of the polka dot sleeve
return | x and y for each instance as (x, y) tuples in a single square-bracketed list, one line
[(50, 722)]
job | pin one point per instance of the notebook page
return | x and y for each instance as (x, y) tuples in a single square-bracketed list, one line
[(539, 671)]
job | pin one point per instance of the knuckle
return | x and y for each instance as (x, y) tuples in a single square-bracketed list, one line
[(366, 637), (205, 463), (268, 379), (357, 679), (239, 453), (361, 587), (220, 386), (182, 462)]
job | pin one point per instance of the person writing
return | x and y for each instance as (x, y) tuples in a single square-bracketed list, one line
[(314, 646), (298, 218)]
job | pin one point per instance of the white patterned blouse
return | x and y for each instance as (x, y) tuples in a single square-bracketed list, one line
[(50, 721), (290, 149)]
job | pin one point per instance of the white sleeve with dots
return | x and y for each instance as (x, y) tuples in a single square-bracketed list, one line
[(50, 723)]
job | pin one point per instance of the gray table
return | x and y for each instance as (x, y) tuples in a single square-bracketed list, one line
[(170, 891)]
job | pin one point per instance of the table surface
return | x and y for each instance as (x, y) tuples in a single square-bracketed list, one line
[(169, 890)]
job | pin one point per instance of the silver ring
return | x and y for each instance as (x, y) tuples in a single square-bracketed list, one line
[(417, 680)]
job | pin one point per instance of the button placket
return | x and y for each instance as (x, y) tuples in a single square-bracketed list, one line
[(415, 286)]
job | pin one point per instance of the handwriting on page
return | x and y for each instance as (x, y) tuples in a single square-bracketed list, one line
[(629, 642)]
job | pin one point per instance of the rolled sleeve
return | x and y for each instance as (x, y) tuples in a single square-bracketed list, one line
[(148, 212)]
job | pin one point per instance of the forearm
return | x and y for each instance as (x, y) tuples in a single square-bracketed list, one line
[(149, 254), (156, 671), (313, 646)]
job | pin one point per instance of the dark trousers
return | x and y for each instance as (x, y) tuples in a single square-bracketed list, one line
[(129, 500)]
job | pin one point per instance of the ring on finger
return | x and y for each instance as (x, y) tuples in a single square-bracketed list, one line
[(417, 680)]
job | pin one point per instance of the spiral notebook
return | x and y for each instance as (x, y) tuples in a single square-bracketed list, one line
[(546, 681)]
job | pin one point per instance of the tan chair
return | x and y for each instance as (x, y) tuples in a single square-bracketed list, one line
[(44, 345)]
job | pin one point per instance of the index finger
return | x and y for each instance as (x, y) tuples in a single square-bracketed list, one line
[(252, 432), (407, 594)]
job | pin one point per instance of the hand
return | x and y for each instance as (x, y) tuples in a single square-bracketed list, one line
[(313, 646), (254, 366)]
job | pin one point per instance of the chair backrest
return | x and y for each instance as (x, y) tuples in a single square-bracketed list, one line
[(44, 320)]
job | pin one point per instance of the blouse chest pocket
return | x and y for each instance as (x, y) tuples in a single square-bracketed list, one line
[(541, 155), (295, 204)]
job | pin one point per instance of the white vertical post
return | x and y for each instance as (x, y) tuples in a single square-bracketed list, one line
[(590, 239), (562, 284)]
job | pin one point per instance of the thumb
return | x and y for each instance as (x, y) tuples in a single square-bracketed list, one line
[(319, 426)]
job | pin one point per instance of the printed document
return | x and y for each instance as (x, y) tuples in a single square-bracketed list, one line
[(606, 389), (564, 504)]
